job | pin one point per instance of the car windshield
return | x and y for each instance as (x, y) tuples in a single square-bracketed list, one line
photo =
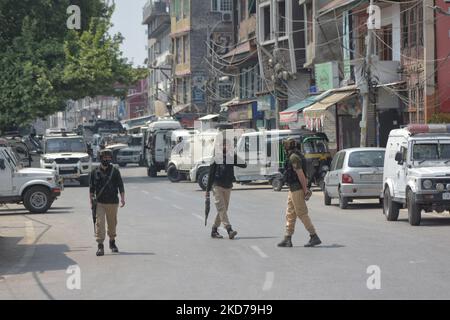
[(366, 159), (315, 146), (65, 145), (431, 151), (136, 142)]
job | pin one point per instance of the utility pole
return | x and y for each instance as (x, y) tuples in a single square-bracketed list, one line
[(365, 88), (274, 5)]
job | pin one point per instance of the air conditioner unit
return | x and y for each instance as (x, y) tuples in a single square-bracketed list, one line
[(227, 17), (169, 59)]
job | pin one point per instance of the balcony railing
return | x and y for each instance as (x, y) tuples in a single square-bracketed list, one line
[(154, 8)]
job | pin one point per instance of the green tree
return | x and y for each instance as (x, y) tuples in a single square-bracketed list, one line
[(43, 64)]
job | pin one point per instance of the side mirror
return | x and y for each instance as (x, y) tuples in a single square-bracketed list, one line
[(399, 157), (2, 164)]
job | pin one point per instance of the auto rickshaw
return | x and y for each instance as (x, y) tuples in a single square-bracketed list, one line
[(314, 147)]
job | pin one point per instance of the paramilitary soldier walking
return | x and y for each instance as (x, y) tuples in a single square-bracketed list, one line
[(298, 195), (221, 177), (105, 183)]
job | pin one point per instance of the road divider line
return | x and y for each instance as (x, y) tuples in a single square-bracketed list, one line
[(259, 252), (146, 192), (268, 283), (198, 216), (177, 207), (157, 198)]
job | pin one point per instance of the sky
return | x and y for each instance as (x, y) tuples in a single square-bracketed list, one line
[(127, 20)]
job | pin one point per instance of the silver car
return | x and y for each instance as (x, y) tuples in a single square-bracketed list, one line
[(355, 173)]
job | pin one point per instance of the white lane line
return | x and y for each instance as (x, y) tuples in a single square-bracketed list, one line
[(259, 252), (269, 281), (146, 192), (198, 216), (157, 198), (177, 207)]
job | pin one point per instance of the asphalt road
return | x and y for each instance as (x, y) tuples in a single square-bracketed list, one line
[(166, 251)]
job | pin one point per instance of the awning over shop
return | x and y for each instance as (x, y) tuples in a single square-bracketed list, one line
[(240, 49), (209, 117), (291, 114), (318, 108)]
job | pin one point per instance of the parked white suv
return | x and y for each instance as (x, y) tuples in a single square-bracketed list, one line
[(68, 155), (416, 171), (35, 188)]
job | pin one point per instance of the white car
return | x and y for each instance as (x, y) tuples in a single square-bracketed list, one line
[(35, 188), (134, 153), (416, 171), (68, 155)]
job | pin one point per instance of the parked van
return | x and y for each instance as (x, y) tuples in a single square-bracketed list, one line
[(416, 171), (159, 144), (264, 156)]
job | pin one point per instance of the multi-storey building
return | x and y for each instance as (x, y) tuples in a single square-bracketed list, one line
[(198, 27), (157, 18)]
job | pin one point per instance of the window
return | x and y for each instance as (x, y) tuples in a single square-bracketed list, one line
[(251, 7), (178, 56), (366, 159), (186, 8), (405, 29), (225, 90), (340, 161), (384, 43), (243, 10), (412, 26), (249, 82), (309, 23), (281, 18), (266, 23), (185, 49), (222, 5)]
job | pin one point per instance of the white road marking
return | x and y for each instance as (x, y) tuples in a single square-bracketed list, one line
[(146, 192), (199, 216), (177, 207), (157, 198), (259, 252), (269, 281)]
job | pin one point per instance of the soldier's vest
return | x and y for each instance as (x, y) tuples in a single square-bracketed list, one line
[(290, 175)]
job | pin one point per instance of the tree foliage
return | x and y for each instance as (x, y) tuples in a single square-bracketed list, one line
[(43, 63)]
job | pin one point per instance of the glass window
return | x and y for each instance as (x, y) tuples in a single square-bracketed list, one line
[(424, 151), (333, 162), (366, 159), (65, 145), (340, 161)]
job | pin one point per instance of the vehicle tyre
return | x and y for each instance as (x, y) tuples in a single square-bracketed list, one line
[(326, 198), (122, 165), (391, 209), (277, 184), (84, 181), (37, 199), (343, 201), (203, 179), (414, 210), (173, 174)]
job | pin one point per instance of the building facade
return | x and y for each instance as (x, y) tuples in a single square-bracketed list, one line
[(156, 15)]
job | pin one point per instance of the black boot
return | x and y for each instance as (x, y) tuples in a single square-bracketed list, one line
[(112, 246), (231, 232), (215, 234), (101, 250), (313, 241), (286, 242)]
